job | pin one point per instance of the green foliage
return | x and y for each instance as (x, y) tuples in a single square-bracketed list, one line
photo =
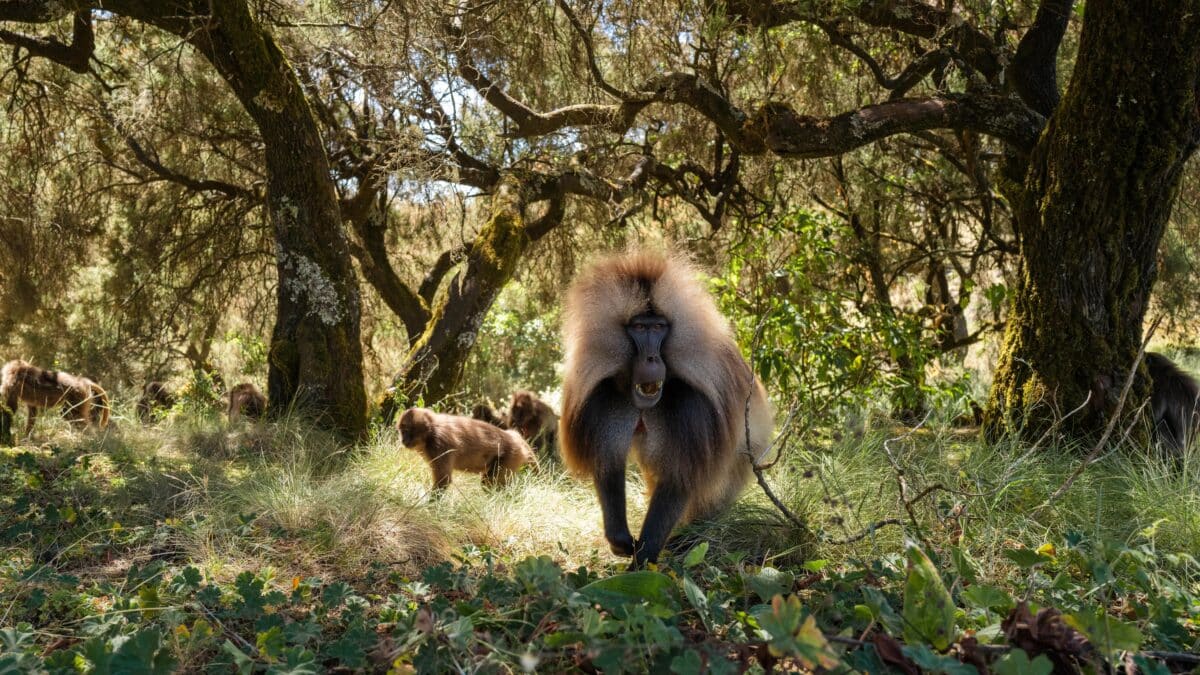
[(808, 329), (161, 604), (518, 348)]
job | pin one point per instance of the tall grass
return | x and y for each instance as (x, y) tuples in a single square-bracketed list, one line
[(285, 495)]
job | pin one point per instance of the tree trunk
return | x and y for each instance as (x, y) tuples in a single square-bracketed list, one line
[(434, 365), (1090, 214)]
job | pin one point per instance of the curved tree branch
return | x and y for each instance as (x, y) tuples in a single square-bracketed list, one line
[(75, 56), (1034, 70)]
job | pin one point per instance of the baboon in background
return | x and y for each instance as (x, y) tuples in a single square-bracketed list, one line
[(486, 413), (652, 369), (155, 397), (452, 443), (1174, 396), (536, 421), (83, 401), (246, 399)]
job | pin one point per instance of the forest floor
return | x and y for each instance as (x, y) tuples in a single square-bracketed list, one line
[(191, 546)]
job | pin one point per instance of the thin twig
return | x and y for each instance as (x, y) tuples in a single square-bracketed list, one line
[(865, 533)]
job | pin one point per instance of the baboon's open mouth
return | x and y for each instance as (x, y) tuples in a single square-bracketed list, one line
[(650, 388)]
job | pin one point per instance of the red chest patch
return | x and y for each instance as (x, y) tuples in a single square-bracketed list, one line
[(641, 426)]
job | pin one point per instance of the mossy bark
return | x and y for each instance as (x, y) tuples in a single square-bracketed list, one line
[(1090, 213), (434, 365), (315, 364)]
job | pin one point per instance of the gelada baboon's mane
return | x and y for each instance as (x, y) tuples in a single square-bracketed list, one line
[(700, 348)]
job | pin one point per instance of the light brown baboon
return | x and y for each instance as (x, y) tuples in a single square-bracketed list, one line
[(452, 443), (155, 397), (652, 370), (246, 399), (1174, 403), (536, 421), (83, 402), (486, 413)]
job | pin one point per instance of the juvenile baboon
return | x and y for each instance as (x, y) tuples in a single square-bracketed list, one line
[(246, 399), (536, 421), (486, 413), (652, 369), (452, 443), (1174, 396), (155, 397), (83, 401)]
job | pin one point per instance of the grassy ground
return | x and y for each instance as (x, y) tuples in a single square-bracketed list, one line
[(166, 542)]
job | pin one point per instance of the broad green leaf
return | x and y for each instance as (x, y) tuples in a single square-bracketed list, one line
[(1017, 662), (928, 609), (688, 663), (696, 555), (620, 589), (987, 597), (796, 635), (1025, 558), (769, 582), (1105, 631)]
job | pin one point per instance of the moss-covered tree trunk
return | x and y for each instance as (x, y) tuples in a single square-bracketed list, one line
[(1096, 196), (315, 363), (434, 365)]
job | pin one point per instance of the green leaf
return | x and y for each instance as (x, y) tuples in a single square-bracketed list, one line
[(796, 635), (296, 661), (270, 643), (987, 597), (696, 555), (964, 564), (928, 609), (243, 663), (1017, 662), (141, 653), (930, 662), (1105, 631), (687, 663), (631, 587), (1148, 666), (696, 597), (769, 582), (1025, 558)]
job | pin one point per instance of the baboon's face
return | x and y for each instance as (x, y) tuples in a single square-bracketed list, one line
[(648, 371), (414, 425), (522, 414)]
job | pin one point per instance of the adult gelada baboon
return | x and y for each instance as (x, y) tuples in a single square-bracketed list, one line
[(83, 401), (536, 421), (1174, 396), (652, 369), (246, 399), (155, 397), (452, 443)]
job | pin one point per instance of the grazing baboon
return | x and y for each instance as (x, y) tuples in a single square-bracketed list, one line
[(536, 421), (83, 401), (652, 369), (452, 443), (486, 413), (1174, 396), (155, 397), (246, 399)]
